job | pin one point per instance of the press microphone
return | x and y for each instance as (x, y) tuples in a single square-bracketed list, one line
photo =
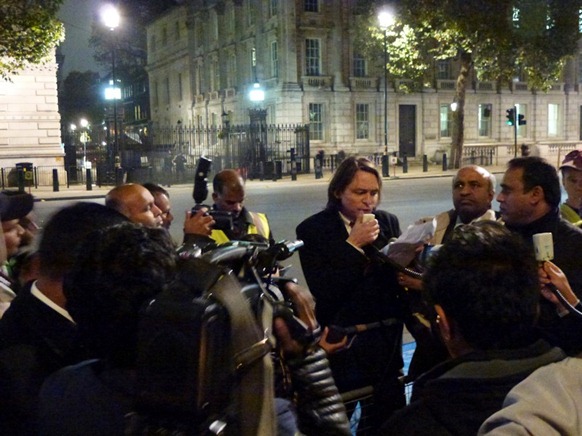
[(544, 250)]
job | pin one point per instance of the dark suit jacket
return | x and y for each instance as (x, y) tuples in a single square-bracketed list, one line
[(35, 341), (348, 286)]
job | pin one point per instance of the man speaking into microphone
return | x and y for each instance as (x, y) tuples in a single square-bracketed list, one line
[(351, 287)]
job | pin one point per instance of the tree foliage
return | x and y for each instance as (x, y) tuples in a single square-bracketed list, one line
[(497, 40), (29, 31), (79, 98)]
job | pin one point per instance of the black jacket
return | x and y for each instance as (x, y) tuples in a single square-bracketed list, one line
[(34, 342), (563, 332), (353, 288), (455, 397), (349, 287)]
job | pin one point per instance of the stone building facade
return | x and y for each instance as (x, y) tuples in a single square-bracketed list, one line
[(29, 118), (205, 56)]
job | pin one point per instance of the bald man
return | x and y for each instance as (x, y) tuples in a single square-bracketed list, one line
[(228, 196), (473, 192), (136, 203)]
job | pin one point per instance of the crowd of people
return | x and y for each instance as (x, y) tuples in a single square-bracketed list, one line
[(498, 350)]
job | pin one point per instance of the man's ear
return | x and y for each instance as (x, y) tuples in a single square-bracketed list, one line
[(537, 194), (443, 322), (214, 196)]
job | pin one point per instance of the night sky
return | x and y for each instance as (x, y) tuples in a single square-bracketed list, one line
[(77, 16)]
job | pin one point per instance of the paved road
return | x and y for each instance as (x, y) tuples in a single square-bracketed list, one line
[(287, 203)]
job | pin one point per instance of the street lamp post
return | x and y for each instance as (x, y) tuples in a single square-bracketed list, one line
[(84, 124), (226, 138), (111, 19), (386, 19)]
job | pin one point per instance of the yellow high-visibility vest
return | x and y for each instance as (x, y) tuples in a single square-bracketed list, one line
[(259, 226)]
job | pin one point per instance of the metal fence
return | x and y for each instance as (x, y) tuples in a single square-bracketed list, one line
[(258, 150)]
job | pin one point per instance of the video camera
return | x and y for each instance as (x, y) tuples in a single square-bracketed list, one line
[(188, 364), (223, 220)]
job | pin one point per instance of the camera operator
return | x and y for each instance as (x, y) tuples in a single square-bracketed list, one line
[(114, 275), (228, 196)]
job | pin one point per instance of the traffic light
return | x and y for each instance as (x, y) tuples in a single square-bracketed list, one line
[(521, 120), (510, 117)]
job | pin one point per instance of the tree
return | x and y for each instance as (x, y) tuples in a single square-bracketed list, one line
[(496, 39), (29, 31), (80, 97)]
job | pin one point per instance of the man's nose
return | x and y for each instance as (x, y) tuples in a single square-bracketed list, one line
[(156, 211)]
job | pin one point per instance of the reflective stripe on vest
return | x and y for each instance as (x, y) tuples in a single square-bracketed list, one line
[(260, 226)]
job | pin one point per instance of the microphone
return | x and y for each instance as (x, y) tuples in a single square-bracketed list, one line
[(544, 250)]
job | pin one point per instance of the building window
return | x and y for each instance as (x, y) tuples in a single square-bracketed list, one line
[(316, 121), (253, 60), (359, 66), (214, 21), (164, 36), (167, 90), (230, 21), (515, 17), (180, 90), (312, 57), (553, 110), (274, 59), (443, 70), (521, 109), (231, 71), (155, 95), (198, 79), (446, 121), (215, 77), (273, 7), (311, 6), (362, 121), (250, 13), (484, 120)]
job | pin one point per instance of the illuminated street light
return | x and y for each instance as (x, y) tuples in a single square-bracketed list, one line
[(385, 20), (258, 118)]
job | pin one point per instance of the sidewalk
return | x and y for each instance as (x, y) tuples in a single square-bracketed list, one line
[(415, 171)]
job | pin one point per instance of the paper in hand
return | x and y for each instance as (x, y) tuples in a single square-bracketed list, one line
[(406, 247)]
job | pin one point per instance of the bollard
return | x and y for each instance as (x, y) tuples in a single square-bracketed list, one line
[(88, 179), (404, 164), (385, 167), (424, 163), (20, 179), (293, 170), (55, 180), (445, 165), (261, 171), (118, 176)]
